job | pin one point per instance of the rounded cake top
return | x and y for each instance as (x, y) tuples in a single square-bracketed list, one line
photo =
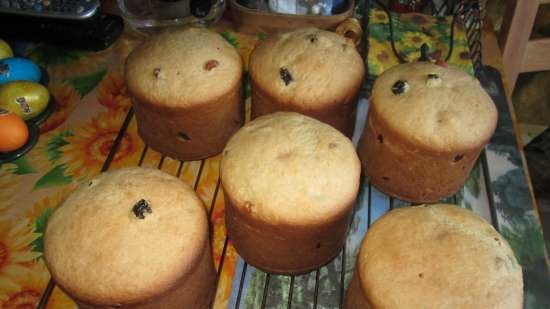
[(308, 67), (182, 67), (125, 236), (438, 256), (442, 109), (291, 169)]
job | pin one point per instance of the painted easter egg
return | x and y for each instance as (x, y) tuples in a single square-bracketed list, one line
[(15, 68), (23, 98)]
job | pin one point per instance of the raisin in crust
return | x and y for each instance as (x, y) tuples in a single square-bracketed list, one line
[(311, 71), (425, 129), (187, 94), (132, 238), (290, 183), (433, 257)]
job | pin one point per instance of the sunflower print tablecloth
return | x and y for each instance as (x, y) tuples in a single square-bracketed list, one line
[(92, 104), (410, 31)]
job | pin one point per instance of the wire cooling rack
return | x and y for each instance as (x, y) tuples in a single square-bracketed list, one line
[(325, 286)]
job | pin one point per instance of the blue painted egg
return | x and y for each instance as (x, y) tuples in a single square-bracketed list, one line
[(14, 68)]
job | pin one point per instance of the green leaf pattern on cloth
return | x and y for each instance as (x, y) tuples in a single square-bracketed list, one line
[(47, 55), (55, 177), (22, 166), (230, 38), (56, 142), (410, 31), (40, 228), (85, 84)]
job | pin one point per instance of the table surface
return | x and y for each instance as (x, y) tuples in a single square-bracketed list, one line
[(94, 114)]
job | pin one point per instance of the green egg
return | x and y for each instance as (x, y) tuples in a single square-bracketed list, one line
[(25, 99)]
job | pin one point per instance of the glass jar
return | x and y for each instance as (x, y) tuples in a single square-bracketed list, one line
[(148, 16)]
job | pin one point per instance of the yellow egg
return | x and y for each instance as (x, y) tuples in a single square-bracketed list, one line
[(5, 50), (23, 98)]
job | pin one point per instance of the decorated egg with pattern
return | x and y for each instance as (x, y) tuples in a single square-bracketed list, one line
[(15, 68), (23, 98)]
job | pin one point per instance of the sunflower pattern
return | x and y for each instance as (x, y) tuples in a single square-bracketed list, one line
[(49, 202), (411, 30), (31, 287), (16, 237), (379, 17), (87, 148), (111, 91), (9, 185), (66, 98)]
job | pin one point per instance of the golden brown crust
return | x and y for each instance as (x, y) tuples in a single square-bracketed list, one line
[(341, 116), (286, 159), (187, 92), (322, 72), (411, 173), (101, 253), (420, 145), (290, 183), (437, 256), (193, 133), (284, 248), (440, 109), (172, 68), (194, 291)]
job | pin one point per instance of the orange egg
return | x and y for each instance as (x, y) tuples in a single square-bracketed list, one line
[(13, 131)]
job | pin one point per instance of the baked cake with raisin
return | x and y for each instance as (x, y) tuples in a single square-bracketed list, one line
[(434, 257), (426, 126), (132, 238), (290, 183), (310, 71), (186, 89)]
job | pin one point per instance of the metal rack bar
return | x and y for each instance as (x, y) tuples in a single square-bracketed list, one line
[(369, 217), (143, 155), (219, 271), (225, 243), (161, 162), (316, 292), (118, 139), (46, 295), (290, 293), (222, 259), (343, 275), (490, 196), (266, 288), (241, 283), (195, 186), (211, 208), (180, 167)]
